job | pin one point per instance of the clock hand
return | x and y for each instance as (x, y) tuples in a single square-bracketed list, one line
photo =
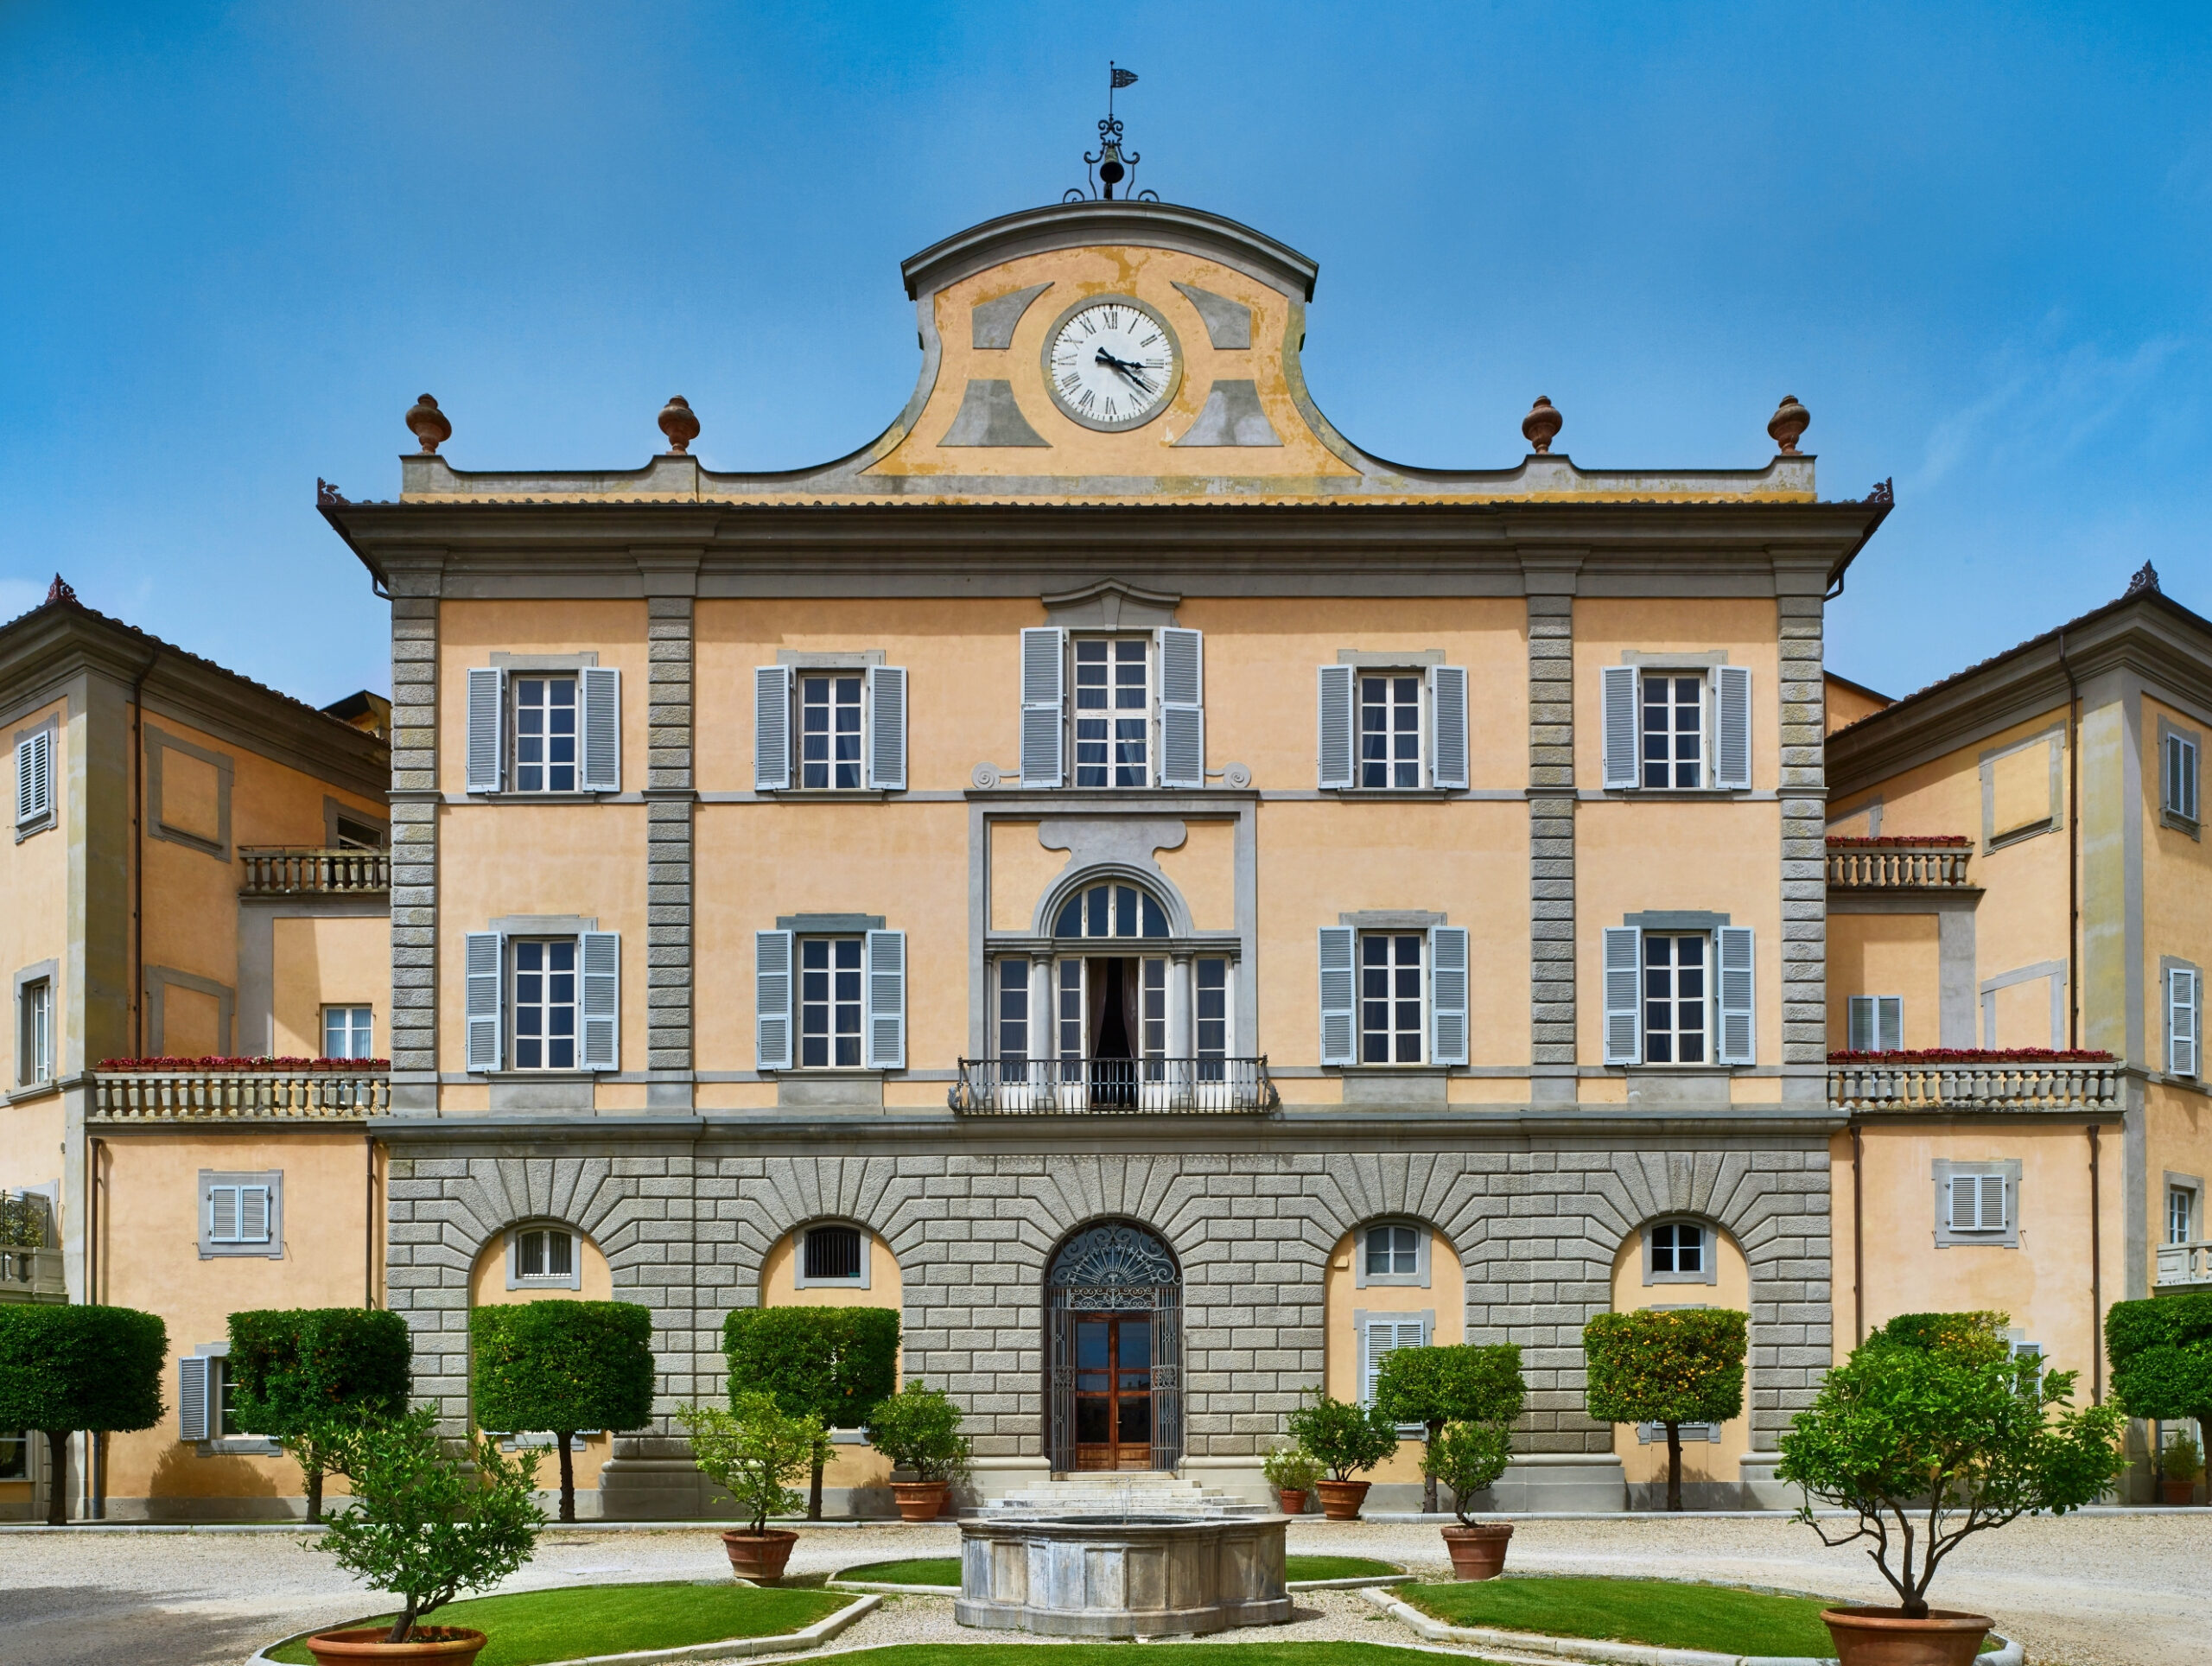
[(1134, 372)]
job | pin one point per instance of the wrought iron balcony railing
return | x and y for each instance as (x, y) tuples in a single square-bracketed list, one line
[(134, 1095), (1051, 1087), (290, 870), (2185, 1263), (1898, 864)]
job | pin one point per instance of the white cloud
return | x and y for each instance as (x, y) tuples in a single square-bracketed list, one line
[(2046, 401)]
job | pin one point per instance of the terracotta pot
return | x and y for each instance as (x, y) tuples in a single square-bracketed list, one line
[(1340, 1500), (921, 1501), (1884, 1637), (1478, 1553), (2181, 1493), (449, 1645), (760, 1556), (1294, 1500)]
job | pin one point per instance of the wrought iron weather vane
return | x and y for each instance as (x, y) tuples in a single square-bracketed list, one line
[(1111, 165)]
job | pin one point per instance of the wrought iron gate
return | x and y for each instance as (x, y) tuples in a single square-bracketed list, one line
[(1115, 1268)]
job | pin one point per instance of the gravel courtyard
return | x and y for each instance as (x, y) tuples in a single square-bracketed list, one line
[(2098, 1590)]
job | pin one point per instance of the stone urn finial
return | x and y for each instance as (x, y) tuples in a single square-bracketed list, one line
[(428, 424), (1541, 425), (678, 423), (1788, 423)]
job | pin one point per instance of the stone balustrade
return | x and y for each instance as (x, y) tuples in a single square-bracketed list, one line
[(291, 870), (239, 1095), (1995, 1085), (1933, 864), (2185, 1263)]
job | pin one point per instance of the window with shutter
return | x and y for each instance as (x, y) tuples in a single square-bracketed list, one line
[(1182, 708), (1390, 995), (1623, 1004), (1338, 1019), (1381, 1336), (886, 1001), (546, 719), (1448, 995), (887, 737), (1447, 691), (1617, 688), (2180, 783), (191, 1399), (772, 727), (1738, 1030), (1334, 746), (1044, 716), (1877, 1023), (601, 1022), (1113, 712), (1732, 747), (35, 779), (241, 1214), (1977, 1202), (486, 696), (1390, 737), (543, 1001), (771, 965), (2184, 1006), (602, 728), (484, 957)]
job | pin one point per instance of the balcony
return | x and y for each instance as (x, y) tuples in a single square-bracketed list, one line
[(314, 870), (1935, 863), (1061, 1087), (31, 1275), (1968, 1080), (2185, 1266), (307, 1094)]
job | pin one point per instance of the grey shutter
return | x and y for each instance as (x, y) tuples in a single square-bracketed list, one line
[(1861, 1037), (886, 1018), (1379, 1339), (1889, 1023), (487, 688), (1447, 995), (483, 1009), (772, 981), (35, 777), (1623, 1004), (1182, 708), (887, 730), (1619, 684), (601, 689), (772, 727), (1737, 1036), (2183, 1026), (1043, 678), (601, 953), (1993, 1202), (1337, 726), (1339, 1035), (253, 1214), (191, 1399), (1447, 717), (1732, 747), (222, 1214)]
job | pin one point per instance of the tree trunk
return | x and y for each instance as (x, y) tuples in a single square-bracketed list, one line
[(403, 1624), (814, 1493), (315, 1492), (57, 1477), (1674, 1466), (568, 1476), (1427, 1480)]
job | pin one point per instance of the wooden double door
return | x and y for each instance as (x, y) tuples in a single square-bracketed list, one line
[(1113, 1391)]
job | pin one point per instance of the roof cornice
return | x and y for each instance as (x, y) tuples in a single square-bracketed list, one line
[(1092, 224)]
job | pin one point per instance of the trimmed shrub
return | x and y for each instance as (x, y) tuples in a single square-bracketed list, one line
[(1466, 1383), (1345, 1439), (562, 1366), (304, 1374), (918, 1429), (830, 1363), (1676, 1367), (86, 1367), (2161, 1354)]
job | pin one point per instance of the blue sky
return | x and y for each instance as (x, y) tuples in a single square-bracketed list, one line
[(1976, 241)]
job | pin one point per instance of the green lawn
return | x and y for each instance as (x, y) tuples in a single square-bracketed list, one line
[(1664, 1613), (531, 1627), (945, 1570)]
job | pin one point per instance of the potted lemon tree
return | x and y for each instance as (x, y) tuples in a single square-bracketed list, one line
[(918, 1430), (1291, 1471), (1347, 1440), (1466, 1396), (755, 1450), (426, 1526), (1669, 1366), (1932, 1431)]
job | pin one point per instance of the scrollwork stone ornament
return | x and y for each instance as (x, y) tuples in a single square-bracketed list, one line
[(986, 777)]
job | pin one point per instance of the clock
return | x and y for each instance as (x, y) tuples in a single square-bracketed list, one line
[(1111, 363)]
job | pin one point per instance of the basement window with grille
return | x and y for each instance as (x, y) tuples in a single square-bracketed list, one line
[(834, 1254)]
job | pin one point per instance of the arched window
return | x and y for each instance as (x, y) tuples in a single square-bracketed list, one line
[(1111, 911)]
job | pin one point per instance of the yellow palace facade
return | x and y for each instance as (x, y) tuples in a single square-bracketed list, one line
[(1178, 906)]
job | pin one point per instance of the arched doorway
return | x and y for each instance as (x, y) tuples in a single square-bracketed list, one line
[(1113, 1316)]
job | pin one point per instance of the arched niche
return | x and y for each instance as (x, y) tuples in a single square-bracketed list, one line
[(1649, 1271), (1394, 1281)]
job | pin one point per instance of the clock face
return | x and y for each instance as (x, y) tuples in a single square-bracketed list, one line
[(1112, 363)]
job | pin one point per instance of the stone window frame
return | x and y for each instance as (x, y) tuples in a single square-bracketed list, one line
[(155, 985), (159, 742), (2054, 970), (799, 1279), (1991, 840), (516, 1280), (271, 1177), (48, 972), (1421, 663), (2194, 1185), (334, 809), (1417, 1279), (1942, 1170), (1705, 662), (1709, 1254), (51, 817), (2169, 732)]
